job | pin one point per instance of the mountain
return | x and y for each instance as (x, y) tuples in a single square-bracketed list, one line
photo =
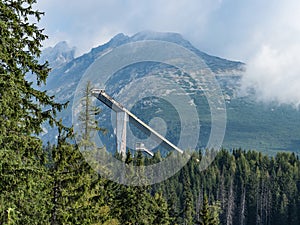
[(58, 55), (250, 124)]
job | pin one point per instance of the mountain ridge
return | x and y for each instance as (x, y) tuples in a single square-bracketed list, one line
[(250, 125)]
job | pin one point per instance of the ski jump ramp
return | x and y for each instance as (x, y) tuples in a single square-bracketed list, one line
[(123, 116)]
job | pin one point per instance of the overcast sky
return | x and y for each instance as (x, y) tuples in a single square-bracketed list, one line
[(265, 34)]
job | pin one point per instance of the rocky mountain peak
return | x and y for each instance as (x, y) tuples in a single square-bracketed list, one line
[(58, 55)]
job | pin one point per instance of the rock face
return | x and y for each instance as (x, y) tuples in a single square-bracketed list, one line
[(58, 55), (249, 124)]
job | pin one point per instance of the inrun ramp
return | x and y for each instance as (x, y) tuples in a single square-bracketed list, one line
[(123, 116)]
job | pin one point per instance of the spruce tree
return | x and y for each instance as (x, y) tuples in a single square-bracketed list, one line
[(135, 204), (23, 110), (209, 214), (78, 194), (187, 201), (161, 210)]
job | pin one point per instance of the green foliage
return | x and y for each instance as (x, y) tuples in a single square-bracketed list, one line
[(88, 124), (245, 187), (209, 214), (23, 189), (135, 204), (161, 210), (188, 208), (23, 109), (77, 191)]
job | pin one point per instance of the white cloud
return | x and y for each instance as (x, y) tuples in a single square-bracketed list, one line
[(275, 74), (273, 67), (263, 34), (88, 23)]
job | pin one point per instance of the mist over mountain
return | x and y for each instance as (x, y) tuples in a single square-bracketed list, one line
[(58, 55), (267, 127)]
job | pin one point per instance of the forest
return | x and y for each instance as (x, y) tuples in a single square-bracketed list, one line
[(53, 184)]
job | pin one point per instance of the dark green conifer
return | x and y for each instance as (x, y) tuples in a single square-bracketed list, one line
[(23, 110), (78, 194)]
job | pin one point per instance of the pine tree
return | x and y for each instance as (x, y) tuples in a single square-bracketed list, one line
[(188, 210), (135, 204), (23, 110), (161, 210), (88, 124), (77, 191), (209, 214)]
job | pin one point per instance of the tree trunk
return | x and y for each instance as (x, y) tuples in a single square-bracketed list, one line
[(243, 207), (230, 206), (54, 201)]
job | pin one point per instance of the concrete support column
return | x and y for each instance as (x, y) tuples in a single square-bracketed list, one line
[(121, 129)]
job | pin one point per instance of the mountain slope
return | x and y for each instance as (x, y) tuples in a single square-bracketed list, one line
[(265, 127)]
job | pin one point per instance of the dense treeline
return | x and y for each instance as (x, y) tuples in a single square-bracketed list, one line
[(240, 187), (250, 187)]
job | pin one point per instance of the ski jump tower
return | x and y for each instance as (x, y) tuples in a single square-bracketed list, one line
[(123, 116)]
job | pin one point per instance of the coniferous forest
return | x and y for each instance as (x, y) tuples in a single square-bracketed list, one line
[(53, 184)]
